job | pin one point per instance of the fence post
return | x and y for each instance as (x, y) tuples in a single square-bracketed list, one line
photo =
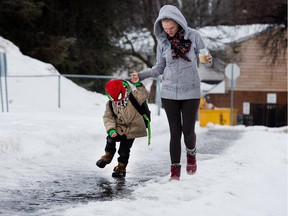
[(3, 73), (6, 84), (59, 91), (1, 92)]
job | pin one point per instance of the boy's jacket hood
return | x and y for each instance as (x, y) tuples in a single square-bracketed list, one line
[(170, 12)]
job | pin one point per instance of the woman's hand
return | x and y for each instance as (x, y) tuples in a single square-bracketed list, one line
[(134, 77)]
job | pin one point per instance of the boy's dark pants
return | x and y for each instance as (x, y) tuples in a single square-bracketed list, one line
[(124, 148)]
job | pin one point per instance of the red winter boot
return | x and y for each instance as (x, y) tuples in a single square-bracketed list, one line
[(175, 172), (191, 166)]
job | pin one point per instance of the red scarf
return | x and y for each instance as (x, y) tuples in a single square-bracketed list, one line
[(180, 46)]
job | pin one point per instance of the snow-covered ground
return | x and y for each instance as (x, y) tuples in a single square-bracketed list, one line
[(48, 155)]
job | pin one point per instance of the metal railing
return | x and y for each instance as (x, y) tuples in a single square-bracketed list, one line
[(58, 76), (3, 85)]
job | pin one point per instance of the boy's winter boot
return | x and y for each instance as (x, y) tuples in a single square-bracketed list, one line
[(119, 171), (105, 159), (191, 166), (175, 172)]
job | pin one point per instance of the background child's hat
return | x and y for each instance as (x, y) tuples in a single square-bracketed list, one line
[(115, 90)]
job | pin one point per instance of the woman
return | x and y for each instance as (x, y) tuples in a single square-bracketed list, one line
[(177, 61)]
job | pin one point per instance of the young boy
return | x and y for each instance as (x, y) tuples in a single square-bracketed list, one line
[(122, 121)]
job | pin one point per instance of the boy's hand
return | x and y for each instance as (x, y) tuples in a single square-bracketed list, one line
[(114, 134), (134, 77)]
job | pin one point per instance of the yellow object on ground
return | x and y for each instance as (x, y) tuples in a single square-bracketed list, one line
[(203, 104), (221, 116)]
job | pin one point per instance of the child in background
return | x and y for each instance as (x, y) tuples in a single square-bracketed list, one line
[(122, 121)]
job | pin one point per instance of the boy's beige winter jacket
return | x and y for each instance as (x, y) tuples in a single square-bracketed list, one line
[(128, 121)]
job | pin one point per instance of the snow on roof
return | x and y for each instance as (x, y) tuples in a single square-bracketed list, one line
[(216, 37)]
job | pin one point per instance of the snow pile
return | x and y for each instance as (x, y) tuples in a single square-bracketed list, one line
[(34, 83)]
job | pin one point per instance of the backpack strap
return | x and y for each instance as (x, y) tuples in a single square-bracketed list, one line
[(149, 128), (136, 104), (142, 112), (111, 107)]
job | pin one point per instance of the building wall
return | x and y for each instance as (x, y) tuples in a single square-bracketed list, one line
[(224, 100), (257, 78), (255, 73)]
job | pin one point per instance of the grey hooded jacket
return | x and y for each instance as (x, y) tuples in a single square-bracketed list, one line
[(180, 79)]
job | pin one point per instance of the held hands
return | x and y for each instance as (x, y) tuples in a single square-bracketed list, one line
[(134, 77)]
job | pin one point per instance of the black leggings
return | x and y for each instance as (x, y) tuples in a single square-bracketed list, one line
[(182, 115), (124, 148)]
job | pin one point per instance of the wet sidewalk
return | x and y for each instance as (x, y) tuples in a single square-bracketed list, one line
[(70, 187)]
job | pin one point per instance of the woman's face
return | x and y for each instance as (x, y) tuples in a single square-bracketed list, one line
[(170, 27)]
